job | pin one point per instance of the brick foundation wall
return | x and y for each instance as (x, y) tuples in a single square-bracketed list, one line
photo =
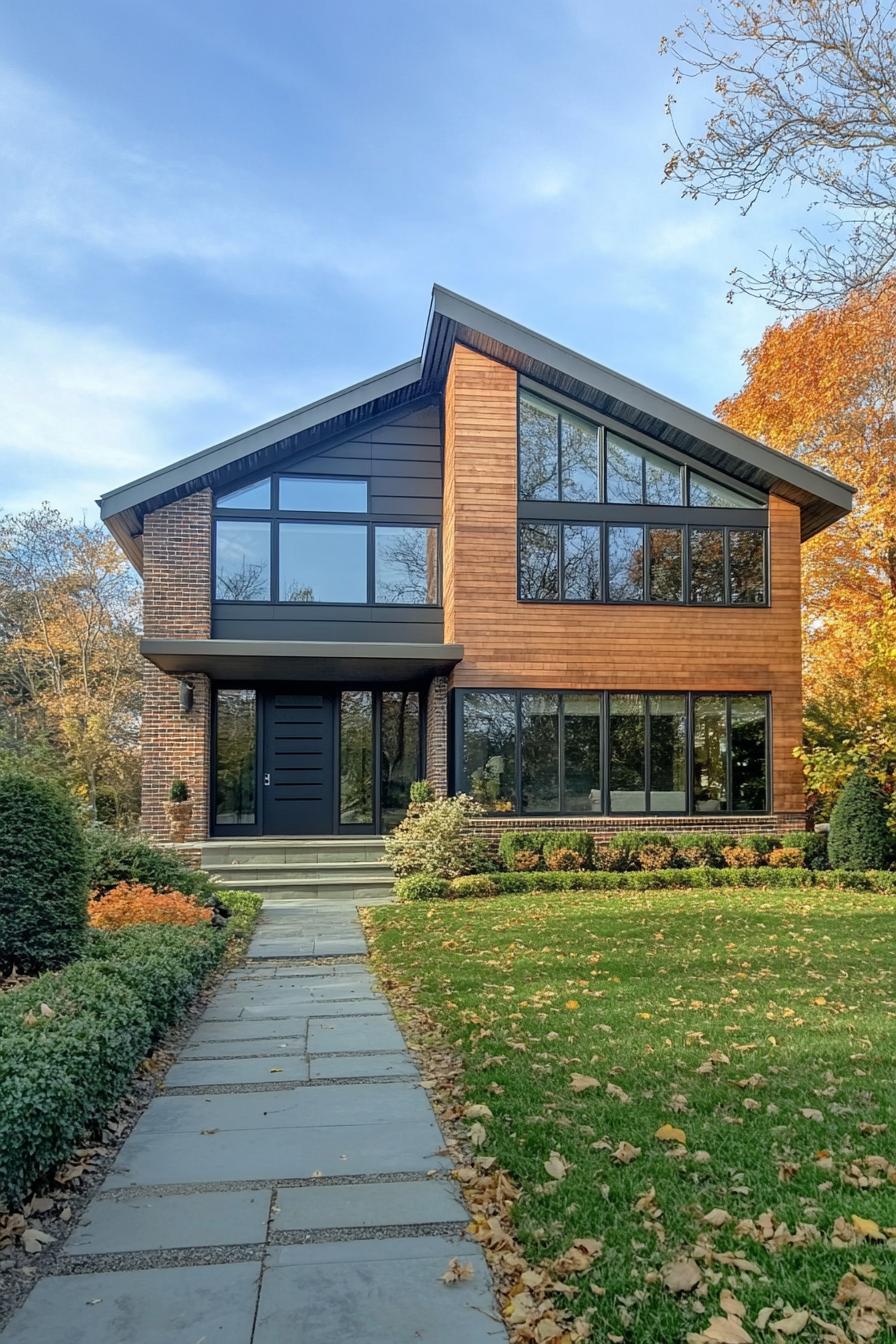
[(176, 605), (437, 735), (603, 828)]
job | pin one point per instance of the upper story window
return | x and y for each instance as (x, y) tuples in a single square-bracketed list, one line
[(559, 453), (605, 519), (298, 554)]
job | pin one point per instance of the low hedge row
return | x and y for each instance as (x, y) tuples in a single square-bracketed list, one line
[(70, 1040), (499, 884), (634, 850)]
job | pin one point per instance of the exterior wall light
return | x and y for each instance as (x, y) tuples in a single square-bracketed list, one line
[(186, 697)]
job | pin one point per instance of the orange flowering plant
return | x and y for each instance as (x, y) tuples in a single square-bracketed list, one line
[(135, 903)]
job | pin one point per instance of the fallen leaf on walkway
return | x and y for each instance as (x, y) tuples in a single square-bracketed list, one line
[(33, 1240), (458, 1271)]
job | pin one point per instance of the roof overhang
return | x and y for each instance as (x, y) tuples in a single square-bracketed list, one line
[(821, 498), (350, 664)]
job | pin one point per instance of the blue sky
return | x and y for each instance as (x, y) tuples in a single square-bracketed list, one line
[(213, 212)]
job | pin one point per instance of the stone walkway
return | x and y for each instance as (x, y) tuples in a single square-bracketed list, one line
[(289, 1184)]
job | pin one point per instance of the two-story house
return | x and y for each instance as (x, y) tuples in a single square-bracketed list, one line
[(500, 566)]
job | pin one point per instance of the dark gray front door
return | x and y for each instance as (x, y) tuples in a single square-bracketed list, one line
[(298, 769)]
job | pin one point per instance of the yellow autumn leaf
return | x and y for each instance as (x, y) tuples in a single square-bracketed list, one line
[(867, 1227), (670, 1134)]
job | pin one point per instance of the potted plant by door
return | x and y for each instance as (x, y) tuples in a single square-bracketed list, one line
[(179, 810)]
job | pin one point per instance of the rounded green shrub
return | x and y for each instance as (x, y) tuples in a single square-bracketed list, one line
[(580, 842), (475, 884), (512, 843), (813, 846), (860, 837), (43, 875), (762, 845), (421, 887), (115, 856)]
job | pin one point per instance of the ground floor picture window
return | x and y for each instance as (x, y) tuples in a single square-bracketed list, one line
[(235, 768), (356, 758), (399, 753), (626, 753)]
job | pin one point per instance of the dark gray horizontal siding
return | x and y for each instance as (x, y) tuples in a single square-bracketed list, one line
[(248, 620)]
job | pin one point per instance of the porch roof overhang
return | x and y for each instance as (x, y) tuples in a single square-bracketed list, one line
[(352, 664)]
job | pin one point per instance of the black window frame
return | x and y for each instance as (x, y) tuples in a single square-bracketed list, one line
[(275, 516), (560, 412), (665, 525), (690, 696)]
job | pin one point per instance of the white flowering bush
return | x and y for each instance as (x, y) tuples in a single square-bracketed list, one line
[(434, 839)]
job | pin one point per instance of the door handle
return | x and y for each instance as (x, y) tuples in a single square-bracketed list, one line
[(267, 778)]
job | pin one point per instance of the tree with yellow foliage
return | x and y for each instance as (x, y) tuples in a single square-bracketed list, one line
[(69, 659), (822, 387)]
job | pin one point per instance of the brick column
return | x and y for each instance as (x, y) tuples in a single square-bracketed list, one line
[(176, 605), (437, 735)]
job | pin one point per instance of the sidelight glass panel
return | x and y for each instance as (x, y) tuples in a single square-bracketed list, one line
[(668, 753), (538, 450), (625, 472), (489, 748), (746, 565), (706, 494), (540, 730), (664, 563), (710, 754), (323, 494), (356, 758), (581, 562), (242, 561), (625, 564), (399, 753), (707, 564), (749, 735), (257, 496), (407, 565), (627, 741), (235, 734), (662, 480), (579, 460), (539, 562), (581, 753), (323, 562)]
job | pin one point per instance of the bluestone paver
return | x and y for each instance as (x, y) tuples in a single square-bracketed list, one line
[(172, 1222), (295, 1108), (388, 1204), (374, 1291), (221, 1072), (395, 1064), (213, 1303), (248, 1031), (330, 1035)]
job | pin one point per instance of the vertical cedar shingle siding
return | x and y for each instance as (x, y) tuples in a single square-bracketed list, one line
[(176, 605), (643, 648)]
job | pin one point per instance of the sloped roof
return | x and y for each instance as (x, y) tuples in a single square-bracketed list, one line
[(822, 499)]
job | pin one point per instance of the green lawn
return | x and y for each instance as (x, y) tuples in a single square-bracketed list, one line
[(761, 1024)]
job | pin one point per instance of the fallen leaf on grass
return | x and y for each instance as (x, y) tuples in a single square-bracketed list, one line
[(477, 1111), (726, 1330), (811, 1113), (867, 1227), (457, 1272), (670, 1134), (717, 1217), (556, 1167), (580, 1082), (731, 1305), (626, 1152), (681, 1276), (617, 1093), (477, 1134), (791, 1325)]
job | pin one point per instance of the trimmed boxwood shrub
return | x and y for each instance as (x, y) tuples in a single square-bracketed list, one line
[(670, 878), (812, 844), (69, 1042), (512, 843), (860, 837), (114, 857), (475, 884), (702, 851), (761, 845), (580, 842), (421, 887), (43, 876)]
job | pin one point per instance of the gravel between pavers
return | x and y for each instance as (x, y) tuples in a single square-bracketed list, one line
[(290, 1183)]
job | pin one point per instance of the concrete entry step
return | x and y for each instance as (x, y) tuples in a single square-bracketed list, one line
[(327, 867)]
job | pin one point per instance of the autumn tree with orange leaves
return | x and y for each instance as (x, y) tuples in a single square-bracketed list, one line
[(823, 388)]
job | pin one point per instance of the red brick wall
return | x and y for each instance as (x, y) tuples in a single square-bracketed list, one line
[(176, 605), (602, 828), (437, 735)]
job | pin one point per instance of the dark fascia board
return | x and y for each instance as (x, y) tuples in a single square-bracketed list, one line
[(352, 662), (464, 313), (201, 464)]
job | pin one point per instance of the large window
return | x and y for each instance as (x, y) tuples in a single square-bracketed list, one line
[(235, 733), (559, 455), (637, 476), (356, 763), (286, 558), (564, 562), (541, 752), (399, 753)]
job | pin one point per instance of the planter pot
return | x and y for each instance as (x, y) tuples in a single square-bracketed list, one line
[(179, 815)]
